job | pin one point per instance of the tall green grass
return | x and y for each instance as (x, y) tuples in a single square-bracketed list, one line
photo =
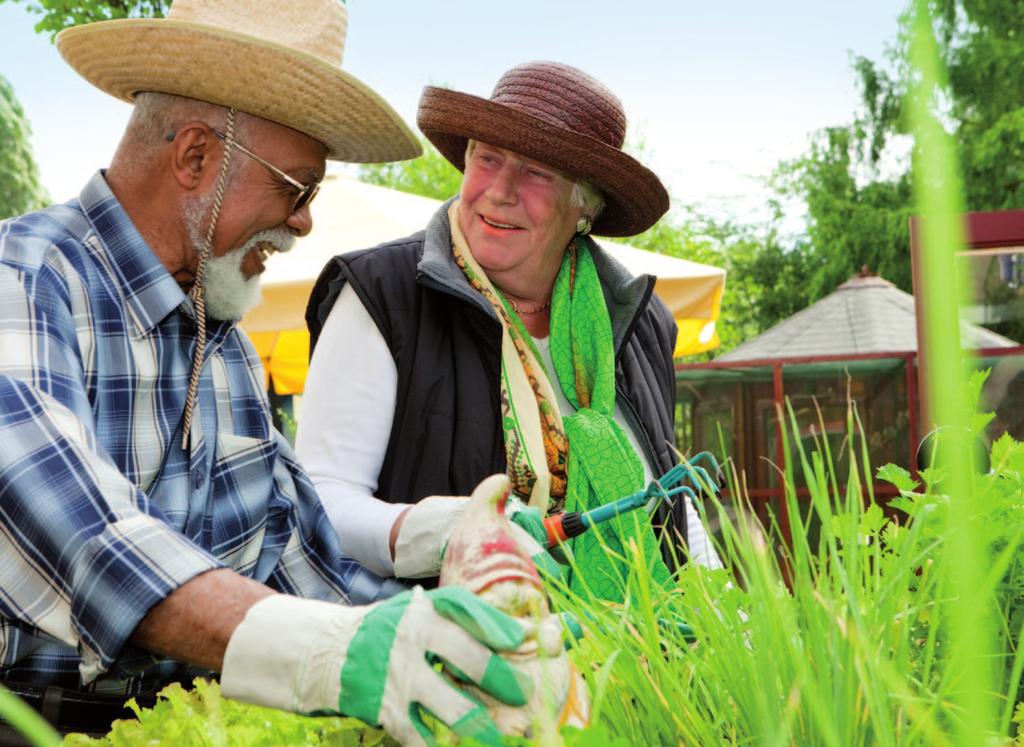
[(939, 197), (860, 647)]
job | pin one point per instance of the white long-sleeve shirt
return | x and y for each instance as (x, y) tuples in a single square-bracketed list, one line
[(347, 413)]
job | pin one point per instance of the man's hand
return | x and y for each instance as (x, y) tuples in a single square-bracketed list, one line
[(373, 662)]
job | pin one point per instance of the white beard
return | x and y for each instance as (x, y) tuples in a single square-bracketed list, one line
[(229, 295)]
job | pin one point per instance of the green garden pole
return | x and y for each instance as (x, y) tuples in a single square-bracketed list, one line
[(34, 727)]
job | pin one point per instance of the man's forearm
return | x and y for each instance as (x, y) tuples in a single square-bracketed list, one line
[(196, 621)]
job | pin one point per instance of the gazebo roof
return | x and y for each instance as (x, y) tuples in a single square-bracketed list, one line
[(866, 314)]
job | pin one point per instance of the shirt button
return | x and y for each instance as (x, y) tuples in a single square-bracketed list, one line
[(198, 479)]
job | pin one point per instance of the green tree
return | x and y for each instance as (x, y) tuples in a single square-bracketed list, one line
[(60, 14), (430, 175), (851, 222), (764, 281), (855, 215), (20, 190), (983, 50)]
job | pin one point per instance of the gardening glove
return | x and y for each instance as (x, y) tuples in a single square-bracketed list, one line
[(530, 520), (428, 525), (374, 662), (424, 535), (533, 536)]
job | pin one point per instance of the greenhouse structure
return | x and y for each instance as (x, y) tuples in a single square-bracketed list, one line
[(856, 345)]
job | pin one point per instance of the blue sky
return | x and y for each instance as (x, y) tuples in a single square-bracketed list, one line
[(719, 91)]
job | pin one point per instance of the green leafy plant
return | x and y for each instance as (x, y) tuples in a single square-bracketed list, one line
[(201, 717), (57, 15), (20, 189), (289, 425), (429, 175)]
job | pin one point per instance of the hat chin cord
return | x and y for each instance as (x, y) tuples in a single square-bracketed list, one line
[(198, 292)]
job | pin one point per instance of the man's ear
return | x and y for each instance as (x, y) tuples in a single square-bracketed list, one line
[(196, 155)]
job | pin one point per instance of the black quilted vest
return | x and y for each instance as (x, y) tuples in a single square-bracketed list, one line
[(446, 434)]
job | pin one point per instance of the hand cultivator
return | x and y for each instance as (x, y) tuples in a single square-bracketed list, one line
[(561, 527)]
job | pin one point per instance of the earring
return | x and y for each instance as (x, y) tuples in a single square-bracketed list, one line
[(583, 225)]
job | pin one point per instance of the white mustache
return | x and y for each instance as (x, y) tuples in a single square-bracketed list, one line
[(280, 239)]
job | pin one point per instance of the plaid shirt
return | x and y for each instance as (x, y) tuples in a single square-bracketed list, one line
[(102, 513)]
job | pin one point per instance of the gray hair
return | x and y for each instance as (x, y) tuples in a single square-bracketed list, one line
[(587, 198), (156, 115), (584, 195)]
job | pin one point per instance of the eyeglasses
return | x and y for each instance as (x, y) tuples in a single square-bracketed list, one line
[(306, 192)]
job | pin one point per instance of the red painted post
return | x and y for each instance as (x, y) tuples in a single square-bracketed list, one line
[(913, 429), (919, 292), (780, 453)]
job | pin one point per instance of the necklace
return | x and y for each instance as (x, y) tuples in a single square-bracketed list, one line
[(527, 312)]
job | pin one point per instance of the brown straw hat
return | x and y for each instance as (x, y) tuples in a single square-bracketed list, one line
[(562, 117), (275, 59)]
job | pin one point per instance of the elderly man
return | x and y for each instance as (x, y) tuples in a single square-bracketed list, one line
[(152, 521)]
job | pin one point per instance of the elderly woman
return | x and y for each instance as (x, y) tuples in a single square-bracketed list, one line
[(501, 339)]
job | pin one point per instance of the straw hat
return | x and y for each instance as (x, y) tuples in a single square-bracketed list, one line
[(562, 117), (279, 60)]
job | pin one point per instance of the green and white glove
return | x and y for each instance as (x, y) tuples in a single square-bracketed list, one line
[(374, 662), (529, 519), (533, 535), (428, 525), (424, 535)]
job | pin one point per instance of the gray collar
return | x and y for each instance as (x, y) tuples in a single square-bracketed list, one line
[(437, 267), (624, 293)]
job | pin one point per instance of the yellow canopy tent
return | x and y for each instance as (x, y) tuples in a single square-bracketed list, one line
[(349, 214)]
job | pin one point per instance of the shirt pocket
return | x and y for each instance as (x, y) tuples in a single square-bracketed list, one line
[(242, 488), (241, 464)]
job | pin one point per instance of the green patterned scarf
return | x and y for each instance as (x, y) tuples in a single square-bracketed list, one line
[(602, 465), (583, 460)]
